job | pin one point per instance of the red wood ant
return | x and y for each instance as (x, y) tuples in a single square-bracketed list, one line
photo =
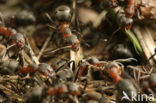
[(68, 37), (42, 68), (13, 66), (70, 87), (13, 37), (63, 16), (124, 85), (16, 40), (60, 91), (108, 66), (115, 71)]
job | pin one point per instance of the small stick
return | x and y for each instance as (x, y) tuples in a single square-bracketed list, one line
[(143, 44), (53, 51), (34, 58), (76, 56), (44, 46), (27, 58), (9, 90)]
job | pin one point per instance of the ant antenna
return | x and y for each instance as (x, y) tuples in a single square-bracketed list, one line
[(48, 16), (50, 19), (55, 50)]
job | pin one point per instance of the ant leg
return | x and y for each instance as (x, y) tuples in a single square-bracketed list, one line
[(95, 67), (126, 60), (133, 81), (39, 81), (58, 49), (139, 76), (10, 46), (86, 84), (21, 60), (135, 68), (145, 76), (66, 64), (76, 75), (77, 72), (50, 19)]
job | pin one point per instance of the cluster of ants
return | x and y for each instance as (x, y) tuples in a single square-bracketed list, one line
[(64, 82)]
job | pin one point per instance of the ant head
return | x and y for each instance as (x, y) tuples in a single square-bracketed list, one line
[(73, 40), (12, 31), (92, 60), (18, 39), (114, 66), (63, 13), (126, 21), (73, 88), (46, 69)]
